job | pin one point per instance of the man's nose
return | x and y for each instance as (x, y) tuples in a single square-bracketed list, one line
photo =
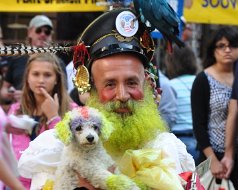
[(122, 94)]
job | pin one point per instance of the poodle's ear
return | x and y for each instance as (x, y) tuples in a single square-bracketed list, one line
[(63, 131), (106, 129)]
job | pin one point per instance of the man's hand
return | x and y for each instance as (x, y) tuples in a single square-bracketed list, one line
[(50, 106), (228, 164), (84, 183)]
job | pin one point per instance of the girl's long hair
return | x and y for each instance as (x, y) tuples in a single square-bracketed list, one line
[(28, 102)]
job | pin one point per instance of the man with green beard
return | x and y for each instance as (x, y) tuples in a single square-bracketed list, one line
[(119, 49)]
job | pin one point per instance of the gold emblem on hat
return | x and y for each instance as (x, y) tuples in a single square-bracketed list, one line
[(81, 80), (147, 43), (121, 38)]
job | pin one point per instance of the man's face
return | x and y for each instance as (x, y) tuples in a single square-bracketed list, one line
[(130, 130), (40, 37), (119, 78)]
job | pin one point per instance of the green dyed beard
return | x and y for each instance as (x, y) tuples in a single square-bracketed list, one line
[(131, 131)]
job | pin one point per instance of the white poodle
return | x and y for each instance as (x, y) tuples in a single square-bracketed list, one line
[(84, 154)]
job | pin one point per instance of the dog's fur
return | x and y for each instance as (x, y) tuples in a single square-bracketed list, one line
[(85, 155)]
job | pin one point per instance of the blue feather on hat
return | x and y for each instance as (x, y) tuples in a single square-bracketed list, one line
[(162, 17)]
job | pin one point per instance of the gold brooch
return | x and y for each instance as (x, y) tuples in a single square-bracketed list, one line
[(81, 80)]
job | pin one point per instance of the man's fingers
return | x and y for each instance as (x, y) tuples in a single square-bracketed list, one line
[(45, 93)]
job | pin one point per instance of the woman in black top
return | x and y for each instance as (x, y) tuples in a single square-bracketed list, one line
[(210, 96)]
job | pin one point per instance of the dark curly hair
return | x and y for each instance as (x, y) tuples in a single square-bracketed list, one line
[(227, 32), (181, 61)]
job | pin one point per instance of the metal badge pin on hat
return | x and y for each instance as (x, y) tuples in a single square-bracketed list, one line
[(126, 24)]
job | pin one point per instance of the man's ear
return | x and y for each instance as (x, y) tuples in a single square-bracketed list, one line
[(92, 83), (91, 80)]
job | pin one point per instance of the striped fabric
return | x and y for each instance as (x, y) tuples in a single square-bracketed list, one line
[(182, 86)]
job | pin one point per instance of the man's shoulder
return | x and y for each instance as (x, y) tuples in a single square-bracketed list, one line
[(161, 140)]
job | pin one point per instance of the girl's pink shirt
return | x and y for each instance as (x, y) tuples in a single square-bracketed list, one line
[(21, 142), (3, 121)]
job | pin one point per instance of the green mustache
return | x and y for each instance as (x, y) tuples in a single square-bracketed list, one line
[(111, 106)]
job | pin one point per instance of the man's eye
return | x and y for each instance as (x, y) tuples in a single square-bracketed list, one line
[(110, 84), (78, 128), (132, 83)]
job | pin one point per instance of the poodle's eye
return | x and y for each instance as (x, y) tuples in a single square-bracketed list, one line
[(95, 127), (78, 128)]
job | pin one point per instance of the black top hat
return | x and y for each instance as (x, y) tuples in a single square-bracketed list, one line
[(114, 32), (117, 31)]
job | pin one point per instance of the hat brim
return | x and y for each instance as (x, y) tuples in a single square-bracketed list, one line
[(117, 49), (43, 24)]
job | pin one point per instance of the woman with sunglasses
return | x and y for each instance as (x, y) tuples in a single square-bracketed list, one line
[(210, 96)]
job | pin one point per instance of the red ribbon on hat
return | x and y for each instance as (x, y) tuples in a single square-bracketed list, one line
[(80, 55)]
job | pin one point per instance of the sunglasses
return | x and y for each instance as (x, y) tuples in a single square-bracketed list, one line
[(47, 31)]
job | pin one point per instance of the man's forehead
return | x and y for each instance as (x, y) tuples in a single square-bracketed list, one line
[(118, 60)]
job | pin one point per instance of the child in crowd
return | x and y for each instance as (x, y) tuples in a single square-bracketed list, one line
[(44, 99)]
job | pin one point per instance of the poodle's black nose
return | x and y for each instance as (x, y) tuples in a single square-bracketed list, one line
[(90, 138)]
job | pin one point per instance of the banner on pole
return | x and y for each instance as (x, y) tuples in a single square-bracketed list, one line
[(51, 5), (211, 11)]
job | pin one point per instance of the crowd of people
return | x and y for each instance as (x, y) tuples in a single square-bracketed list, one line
[(196, 117)]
